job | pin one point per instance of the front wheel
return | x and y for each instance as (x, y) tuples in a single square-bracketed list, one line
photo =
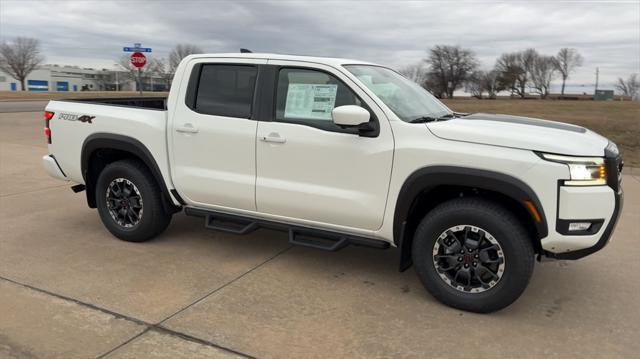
[(473, 254), (129, 201)]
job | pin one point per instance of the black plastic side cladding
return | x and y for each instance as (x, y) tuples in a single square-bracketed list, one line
[(98, 141), (428, 178)]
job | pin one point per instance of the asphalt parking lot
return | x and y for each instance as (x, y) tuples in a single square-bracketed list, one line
[(69, 289)]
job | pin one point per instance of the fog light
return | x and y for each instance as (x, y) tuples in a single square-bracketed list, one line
[(579, 226)]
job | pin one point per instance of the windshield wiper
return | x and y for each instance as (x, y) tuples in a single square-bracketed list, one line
[(425, 119)]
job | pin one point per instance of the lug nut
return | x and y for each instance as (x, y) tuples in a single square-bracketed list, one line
[(459, 259), (476, 256), (475, 264), (466, 265)]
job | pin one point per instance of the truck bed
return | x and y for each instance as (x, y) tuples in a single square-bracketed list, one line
[(152, 103)]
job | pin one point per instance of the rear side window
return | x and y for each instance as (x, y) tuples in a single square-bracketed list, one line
[(226, 90)]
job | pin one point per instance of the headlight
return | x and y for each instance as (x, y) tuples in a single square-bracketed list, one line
[(584, 171)]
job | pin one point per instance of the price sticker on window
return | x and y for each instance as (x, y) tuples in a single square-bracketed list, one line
[(310, 101)]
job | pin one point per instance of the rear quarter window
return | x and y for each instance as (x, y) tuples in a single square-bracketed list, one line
[(224, 90)]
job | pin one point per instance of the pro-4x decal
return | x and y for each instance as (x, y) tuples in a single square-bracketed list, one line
[(72, 117)]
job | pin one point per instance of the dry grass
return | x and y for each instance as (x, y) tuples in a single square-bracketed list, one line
[(56, 95), (618, 121)]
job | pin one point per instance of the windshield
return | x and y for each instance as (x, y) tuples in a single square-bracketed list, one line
[(404, 97)]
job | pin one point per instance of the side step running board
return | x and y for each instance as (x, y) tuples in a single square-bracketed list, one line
[(229, 224), (307, 237), (324, 241)]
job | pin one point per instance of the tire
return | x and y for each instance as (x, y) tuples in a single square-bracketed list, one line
[(462, 281), (145, 218)]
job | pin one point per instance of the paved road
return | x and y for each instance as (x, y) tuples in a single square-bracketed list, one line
[(22, 106), (69, 289)]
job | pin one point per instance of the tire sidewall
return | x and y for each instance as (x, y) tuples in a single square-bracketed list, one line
[(129, 172), (511, 238)]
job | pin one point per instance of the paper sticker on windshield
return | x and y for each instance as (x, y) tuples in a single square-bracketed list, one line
[(310, 101)]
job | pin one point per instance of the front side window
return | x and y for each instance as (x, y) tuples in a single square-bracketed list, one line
[(226, 90), (308, 97), (404, 97)]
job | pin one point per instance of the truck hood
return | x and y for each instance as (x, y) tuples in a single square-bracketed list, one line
[(521, 132)]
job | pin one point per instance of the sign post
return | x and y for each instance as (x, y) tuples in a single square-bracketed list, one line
[(138, 60)]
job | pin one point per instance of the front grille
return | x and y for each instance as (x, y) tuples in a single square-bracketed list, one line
[(614, 172)]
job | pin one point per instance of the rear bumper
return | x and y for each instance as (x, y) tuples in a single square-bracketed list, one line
[(52, 167)]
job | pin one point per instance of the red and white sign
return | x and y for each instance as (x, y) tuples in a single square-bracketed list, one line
[(138, 59)]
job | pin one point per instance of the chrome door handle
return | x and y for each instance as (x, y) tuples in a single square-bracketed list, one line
[(273, 137), (187, 128)]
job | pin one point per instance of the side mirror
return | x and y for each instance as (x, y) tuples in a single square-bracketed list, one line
[(350, 115)]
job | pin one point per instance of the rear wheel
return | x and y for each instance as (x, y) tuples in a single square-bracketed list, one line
[(473, 254), (129, 201)]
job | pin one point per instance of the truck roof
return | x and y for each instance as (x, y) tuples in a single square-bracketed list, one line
[(333, 61)]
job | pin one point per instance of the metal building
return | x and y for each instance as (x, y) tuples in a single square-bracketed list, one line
[(73, 78)]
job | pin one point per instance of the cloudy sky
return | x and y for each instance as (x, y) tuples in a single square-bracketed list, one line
[(91, 33)]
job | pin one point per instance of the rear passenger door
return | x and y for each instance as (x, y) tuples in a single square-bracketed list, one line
[(212, 133)]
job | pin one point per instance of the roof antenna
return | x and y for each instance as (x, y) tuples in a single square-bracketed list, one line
[(245, 51)]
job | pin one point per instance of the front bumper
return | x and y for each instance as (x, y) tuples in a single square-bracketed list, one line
[(614, 185)]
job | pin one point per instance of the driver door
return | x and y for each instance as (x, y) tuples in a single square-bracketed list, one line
[(308, 168)]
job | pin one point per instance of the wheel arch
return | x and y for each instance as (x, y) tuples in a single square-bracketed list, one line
[(100, 149), (429, 186)]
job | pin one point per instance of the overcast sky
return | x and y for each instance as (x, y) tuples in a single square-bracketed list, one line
[(91, 33)]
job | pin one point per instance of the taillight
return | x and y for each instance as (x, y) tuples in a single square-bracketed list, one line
[(48, 115)]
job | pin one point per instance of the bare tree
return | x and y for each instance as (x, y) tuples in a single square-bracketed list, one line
[(515, 70), (20, 58), (475, 84), (159, 68), (567, 60), (179, 52), (481, 81), (415, 72), (630, 87), (449, 68), (543, 70), (510, 70), (125, 62)]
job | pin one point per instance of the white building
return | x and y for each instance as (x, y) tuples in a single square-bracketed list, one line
[(73, 78)]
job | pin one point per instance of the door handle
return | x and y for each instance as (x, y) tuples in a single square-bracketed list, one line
[(187, 128), (273, 137)]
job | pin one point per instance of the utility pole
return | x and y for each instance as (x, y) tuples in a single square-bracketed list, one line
[(117, 85), (597, 76)]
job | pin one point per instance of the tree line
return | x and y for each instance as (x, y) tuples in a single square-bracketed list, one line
[(164, 68), (22, 56), (449, 68), (446, 69)]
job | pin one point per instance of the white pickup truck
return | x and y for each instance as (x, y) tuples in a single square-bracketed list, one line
[(340, 152)]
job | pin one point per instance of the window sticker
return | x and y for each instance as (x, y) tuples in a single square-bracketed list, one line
[(310, 101)]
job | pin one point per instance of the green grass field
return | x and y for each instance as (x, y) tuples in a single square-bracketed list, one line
[(616, 120)]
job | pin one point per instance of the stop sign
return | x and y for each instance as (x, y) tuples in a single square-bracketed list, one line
[(138, 59)]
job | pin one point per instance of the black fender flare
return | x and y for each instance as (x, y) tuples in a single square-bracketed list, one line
[(123, 143), (427, 178)]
